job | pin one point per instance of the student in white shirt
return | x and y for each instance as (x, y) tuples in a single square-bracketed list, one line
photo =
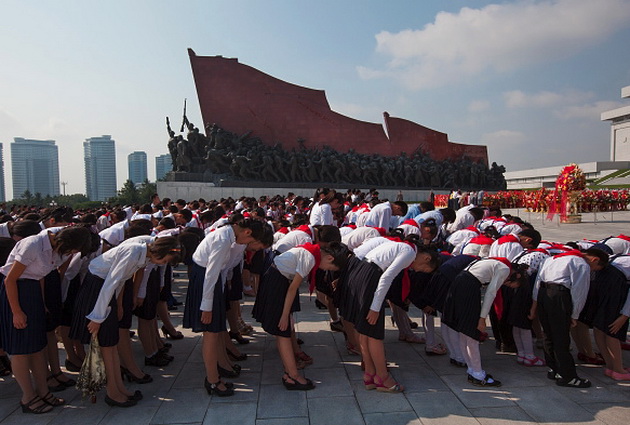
[(278, 297), (465, 313), (205, 304), (562, 284), (22, 310), (99, 296), (368, 286)]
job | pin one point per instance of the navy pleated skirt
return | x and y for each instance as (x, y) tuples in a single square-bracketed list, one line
[(52, 299), (127, 303), (71, 298), (362, 284), (165, 292), (517, 303), (148, 309), (86, 300), (270, 302), (31, 339), (234, 290), (192, 311), (462, 306), (342, 295), (611, 293)]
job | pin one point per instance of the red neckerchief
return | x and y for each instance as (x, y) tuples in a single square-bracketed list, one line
[(355, 209), (624, 237), (544, 251), (306, 229), (284, 230), (481, 240), (573, 252), (393, 238), (381, 231), (411, 222), (246, 214), (473, 229), (503, 260), (248, 256), (315, 250), (498, 299), (352, 226), (507, 239)]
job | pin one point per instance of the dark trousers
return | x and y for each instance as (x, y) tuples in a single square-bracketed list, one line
[(554, 311)]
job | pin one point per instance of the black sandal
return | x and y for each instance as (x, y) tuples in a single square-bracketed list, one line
[(213, 389), (238, 338), (53, 401), (240, 358), (296, 385), (42, 408), (62, 385)]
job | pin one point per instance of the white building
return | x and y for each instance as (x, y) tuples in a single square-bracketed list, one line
[(619, 157)]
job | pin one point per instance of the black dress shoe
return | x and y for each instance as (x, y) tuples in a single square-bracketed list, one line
[(137, 396), (114, 403), (296, 385), (241, 358), (155, 360), (213, 389), (226, 373), (236, 336)]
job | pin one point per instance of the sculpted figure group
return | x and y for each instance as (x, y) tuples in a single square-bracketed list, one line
[(231, 156)]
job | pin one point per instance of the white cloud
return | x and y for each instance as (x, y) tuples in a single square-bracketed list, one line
[(497, 37), (478, 106), (591, 111), (520, 99)]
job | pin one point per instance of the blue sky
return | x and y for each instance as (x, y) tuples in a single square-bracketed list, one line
[(529, 79)]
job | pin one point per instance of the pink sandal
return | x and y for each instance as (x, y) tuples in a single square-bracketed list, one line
[(414, 339), (380, 386), (369, 383), (536, 361), (436, 350)]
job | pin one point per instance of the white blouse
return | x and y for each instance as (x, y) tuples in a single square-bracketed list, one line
[(295, 261), (37, 254), (392, 258), (213, 254), (116, 266)]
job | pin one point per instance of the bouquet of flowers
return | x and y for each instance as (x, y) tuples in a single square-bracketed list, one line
[(570, 179)]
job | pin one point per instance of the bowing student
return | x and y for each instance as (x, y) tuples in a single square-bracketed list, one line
[(560, 293), (278, 297), (368, 286), (101, 298), (465, 313), (23, 313), (205, 309)]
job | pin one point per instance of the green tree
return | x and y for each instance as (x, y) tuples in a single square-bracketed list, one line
[(145, 191), (127, 195), (27, 197)]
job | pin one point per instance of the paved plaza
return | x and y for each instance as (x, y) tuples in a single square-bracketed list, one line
[(436, 392)]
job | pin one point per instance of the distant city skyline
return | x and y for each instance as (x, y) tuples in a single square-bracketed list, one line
[(137, 167), (99, 154), (35, 167), (163, 165)]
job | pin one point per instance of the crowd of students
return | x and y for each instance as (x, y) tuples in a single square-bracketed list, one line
[(71, 276)]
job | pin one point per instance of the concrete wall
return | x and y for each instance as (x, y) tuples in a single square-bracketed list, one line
[(194, 190)]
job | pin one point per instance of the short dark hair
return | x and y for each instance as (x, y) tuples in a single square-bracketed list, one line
[(328, 233)]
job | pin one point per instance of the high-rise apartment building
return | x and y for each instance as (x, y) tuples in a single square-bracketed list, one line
[(2, 195), (137, 167), (35, 165), (163, 165), (99, 154)]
